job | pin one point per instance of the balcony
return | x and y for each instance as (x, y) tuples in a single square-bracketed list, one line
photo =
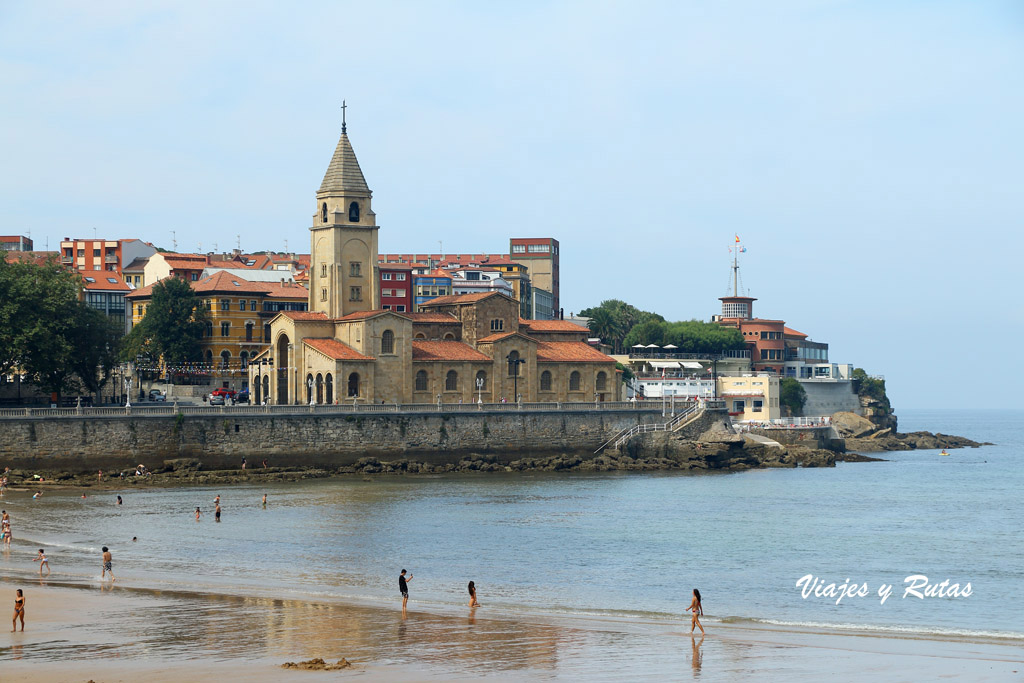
[(67, 259), (110, 258)]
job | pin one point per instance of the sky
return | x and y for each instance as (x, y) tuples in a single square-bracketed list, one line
[(870, 155)]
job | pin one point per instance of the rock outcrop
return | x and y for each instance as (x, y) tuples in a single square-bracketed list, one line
[(865, 435)]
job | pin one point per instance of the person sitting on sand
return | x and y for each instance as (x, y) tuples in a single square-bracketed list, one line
[(19, 612), (472, 595), (698, 611), (41, 559)]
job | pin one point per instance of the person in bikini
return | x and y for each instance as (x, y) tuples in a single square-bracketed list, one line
[(472, 595), (697, 610), (19, 612)]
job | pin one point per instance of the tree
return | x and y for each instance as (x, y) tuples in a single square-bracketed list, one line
[(98, 339), (792, 395), (614, 319), (688, 336), (172, 327)]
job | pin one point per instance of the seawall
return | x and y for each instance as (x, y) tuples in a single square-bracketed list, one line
[(73, 443)]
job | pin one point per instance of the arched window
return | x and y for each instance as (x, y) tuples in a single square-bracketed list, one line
[(574, 381), (209, 356), (225, 359), (266, 333), (323, 270), (323, 212), (451, 381), (449, 336), (481, 380), (545, 380), (353, 212), (421, 380), (353, 384), (225, 329), (513, 365), (601, 383), (420, 335), (266, 388), (209, 328), (309, 387), (329, 388), (243, 357), (319, 388), (387, 342)]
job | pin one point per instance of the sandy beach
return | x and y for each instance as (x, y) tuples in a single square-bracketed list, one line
[(119, 633)]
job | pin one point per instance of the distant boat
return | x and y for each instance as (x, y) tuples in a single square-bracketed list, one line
[(943, 452)]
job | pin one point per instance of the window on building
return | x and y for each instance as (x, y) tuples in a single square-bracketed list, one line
[(355, 293), (323, 270), (323, 213), (323, 294), (539, 248), (95, 252), (400, 308), (758, 404), (355, 269), (225, 304), (400, 276), (513, 363), (574, 381), (451, 381), (266, 333), (225, 329), (252, 304), (601, 382), (243, 358), (387, 342), (738, 406), (241, 305), (195, 276), (545, 380), (497, 325), (225, 359), (385, 276), (81, 253), (421, 380), (518, 248), (248, 331), (209, 328)]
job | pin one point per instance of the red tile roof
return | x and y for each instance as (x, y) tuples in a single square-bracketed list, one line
[(101, 281), (443, 318), (363, 315), (460, 299), (570, 352), (446, 350), (498, 336), (790, 332), (553, 326), (36, 257), (306, 316), (275, 290), (223, 282), (332, 348)]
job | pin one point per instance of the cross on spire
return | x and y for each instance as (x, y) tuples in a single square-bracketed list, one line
[(343, 107)]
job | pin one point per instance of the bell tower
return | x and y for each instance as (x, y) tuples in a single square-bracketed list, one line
[(343, 239)]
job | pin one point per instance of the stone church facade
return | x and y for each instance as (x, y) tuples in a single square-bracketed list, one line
[(457, 349)]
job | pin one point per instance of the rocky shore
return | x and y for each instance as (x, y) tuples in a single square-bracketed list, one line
[(866, 436)]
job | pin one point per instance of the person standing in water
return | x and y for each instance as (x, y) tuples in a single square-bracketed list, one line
[(472, 595), (108, 564), (264, 500), (216, 513), (403, 587), (19, 612), (41, 559), (197, 513), (119, 500), (697, 610)]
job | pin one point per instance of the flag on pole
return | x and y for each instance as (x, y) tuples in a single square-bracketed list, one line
[(737, 239)]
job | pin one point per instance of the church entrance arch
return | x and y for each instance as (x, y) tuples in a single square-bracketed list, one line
[(282, 363)]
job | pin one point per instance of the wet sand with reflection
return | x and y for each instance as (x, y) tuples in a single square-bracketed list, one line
[(124, 633)]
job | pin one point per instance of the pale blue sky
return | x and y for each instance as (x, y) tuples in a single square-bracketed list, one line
[(870, 154)]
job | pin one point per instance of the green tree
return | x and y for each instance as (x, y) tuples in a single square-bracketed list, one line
[(615, 318), (172, 327), (98, 339), (792, 395)]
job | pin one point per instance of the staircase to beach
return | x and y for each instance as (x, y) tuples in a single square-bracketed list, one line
[(681, 420)]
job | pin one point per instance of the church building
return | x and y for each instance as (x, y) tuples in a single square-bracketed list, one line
[(466, 348)]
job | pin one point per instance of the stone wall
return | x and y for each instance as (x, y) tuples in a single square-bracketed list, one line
[(825, 398), (113, 443)]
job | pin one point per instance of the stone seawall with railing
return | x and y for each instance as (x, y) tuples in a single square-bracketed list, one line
[(115, 438)]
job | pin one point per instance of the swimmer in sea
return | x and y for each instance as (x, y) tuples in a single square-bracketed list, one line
[(264, 500), (119, 500), (698, 611), (216, 513)]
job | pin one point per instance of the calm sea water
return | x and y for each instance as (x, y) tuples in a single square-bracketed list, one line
[(626, 545)]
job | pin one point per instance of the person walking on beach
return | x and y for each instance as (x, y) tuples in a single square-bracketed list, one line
[(41, 559), (403, 587), (19, 612), (697, 610), (243, 462), (107, 565), (197, 513), (472, 595)]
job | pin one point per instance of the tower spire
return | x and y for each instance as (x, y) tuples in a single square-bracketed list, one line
[(343, 124)]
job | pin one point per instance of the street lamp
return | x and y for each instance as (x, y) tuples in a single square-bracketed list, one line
[(312, 396), (479, 390), (513, 369)]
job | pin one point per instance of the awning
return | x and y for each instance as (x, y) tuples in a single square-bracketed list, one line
[(692, 365), (663, 364)]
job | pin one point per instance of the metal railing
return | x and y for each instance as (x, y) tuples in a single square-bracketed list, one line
[(690, 413), (786, 423), (171, 409)]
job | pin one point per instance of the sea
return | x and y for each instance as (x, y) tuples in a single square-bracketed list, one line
[(619, 547)]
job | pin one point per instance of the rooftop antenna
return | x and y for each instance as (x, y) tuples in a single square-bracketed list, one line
[(736, 249), (215, 247), (94, 232), (174, 241), (238, 242), (344, 126)]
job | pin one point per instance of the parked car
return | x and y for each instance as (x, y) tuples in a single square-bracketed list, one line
[(157, 395), (242, 396), (217, 399), (223, 391)]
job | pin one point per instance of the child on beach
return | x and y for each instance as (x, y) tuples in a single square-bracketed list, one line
[(698, 611), (107, 565), (403, 587), (19, 612), (41, 559)]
